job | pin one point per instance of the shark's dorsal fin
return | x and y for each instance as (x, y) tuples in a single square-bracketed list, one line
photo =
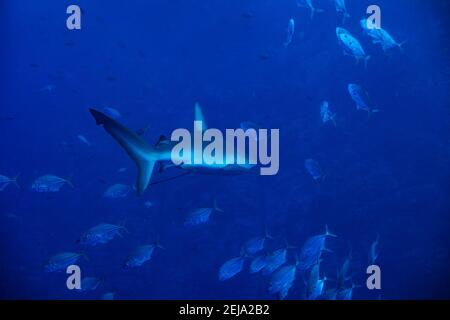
[(199, 117)]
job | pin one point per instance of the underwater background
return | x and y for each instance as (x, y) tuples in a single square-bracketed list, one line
[(387, 174)]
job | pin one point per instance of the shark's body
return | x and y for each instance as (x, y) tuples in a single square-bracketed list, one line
[(146, 156)]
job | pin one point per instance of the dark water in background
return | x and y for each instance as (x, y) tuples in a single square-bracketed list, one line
[(153, 60)]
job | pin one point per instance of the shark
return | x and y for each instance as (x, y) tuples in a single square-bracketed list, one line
[(146, 156)]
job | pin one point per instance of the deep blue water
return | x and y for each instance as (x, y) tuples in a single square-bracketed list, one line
[(152, 60)]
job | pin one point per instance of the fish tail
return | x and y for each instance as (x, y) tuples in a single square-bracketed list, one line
[(333, 119), (14, 180), (216, 207), (328, 233), (400, 45), (122, 225), (143, 155), (267, 234), (158, 244), (69, 180)]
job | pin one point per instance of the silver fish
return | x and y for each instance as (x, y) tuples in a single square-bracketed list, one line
[(380, 36), (140, 255), (290, 32), (351, 45), (258, 263), (275, 260), (362, 99), (325, 113), (200, 216), (282, 278), (101, 233), (230, 268), (49, 183), (117, 191), (314, 169), (59, 262), (5, 181)]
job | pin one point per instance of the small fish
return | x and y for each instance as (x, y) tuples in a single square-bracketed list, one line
[(340, 7), (101, 233), (285, 290), (308, 4), (117, 191), (256, 244), (351, 45), (49, 183), (282, 279), (108, 296), (314, 277), (380, 36), (325, 113), (60, 261), (318, 289), (290, 32), (122, 170), (373, 252), (275, 260), (230, 268), (200, 216), (84, 140), (89, 284), (314, 169), (140, 255), (258, 263), (114, 113), (5, 181), (311, 251), (362, 99)]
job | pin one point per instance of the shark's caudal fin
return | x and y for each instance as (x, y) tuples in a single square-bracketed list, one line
[(143, 155)]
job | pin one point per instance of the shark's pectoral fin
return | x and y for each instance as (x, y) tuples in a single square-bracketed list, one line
[(145, 170)]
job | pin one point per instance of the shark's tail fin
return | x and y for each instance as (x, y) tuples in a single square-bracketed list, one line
[(142, 154)]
